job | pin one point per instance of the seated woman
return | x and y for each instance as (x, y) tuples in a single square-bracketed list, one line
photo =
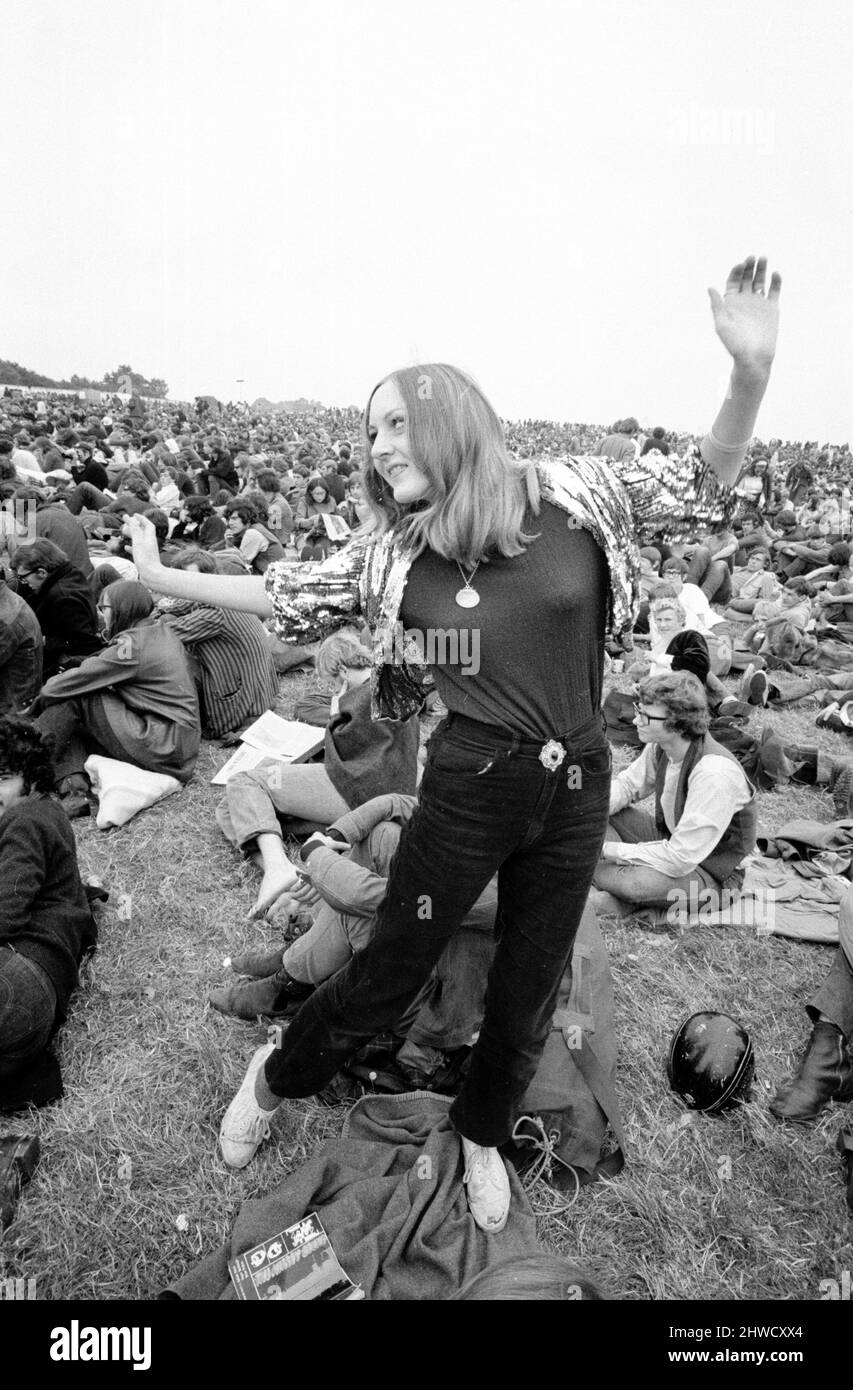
[(134, 701), (45, 924), (61, 600), (235, 666), (246, 531), (704, 812), (316, 503), (363, 758)]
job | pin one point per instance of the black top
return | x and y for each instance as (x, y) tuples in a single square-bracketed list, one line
[(91, 472), (529, 657)]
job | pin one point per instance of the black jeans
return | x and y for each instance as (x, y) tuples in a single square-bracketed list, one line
[(487, 804)]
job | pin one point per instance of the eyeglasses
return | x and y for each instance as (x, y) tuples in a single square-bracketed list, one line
[(647, 718)]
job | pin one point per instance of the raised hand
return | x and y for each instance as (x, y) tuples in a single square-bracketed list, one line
[(747, 319), (144, 538)]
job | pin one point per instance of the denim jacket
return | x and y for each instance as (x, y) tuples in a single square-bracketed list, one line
[(365, 581)]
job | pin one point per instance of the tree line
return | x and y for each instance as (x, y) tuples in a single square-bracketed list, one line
[(123, 379)]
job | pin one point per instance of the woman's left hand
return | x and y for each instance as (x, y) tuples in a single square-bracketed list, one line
[(747, 320)]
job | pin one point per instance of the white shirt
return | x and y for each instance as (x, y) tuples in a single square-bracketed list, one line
[(716, 791)]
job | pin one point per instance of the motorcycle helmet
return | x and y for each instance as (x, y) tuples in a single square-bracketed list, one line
[(711, 1062)]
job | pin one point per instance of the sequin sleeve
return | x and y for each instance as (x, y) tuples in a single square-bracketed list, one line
[(678, 495), (312, 599)]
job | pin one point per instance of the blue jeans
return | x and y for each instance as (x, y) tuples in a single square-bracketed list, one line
[(487, 805), (27, 1011)]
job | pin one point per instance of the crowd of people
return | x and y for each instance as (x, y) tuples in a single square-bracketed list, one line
[(163, 564)]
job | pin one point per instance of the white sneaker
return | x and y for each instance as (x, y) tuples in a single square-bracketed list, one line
[(487, 1182), (245, 1125)]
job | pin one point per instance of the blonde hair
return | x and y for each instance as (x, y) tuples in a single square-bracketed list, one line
[(341, 649), (478, 494)]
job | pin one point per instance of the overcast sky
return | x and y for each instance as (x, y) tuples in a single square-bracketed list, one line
[(306, 196)]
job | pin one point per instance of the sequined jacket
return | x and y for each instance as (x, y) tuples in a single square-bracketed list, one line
[(365, 581)]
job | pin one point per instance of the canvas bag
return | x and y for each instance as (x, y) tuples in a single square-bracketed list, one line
[(570, 1102)]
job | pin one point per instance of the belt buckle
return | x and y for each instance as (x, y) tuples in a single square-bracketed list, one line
[(552, 754)]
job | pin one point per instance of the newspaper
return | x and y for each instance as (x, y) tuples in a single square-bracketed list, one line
[(287, 740)]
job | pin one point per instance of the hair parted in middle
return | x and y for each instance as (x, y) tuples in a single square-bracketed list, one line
[(685, 699), (478, 494)]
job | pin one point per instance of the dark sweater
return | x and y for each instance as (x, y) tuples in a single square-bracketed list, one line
[(91, 472), (44, 913), (67, 616)]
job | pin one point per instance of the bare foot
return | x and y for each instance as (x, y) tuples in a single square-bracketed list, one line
[(276, 886)]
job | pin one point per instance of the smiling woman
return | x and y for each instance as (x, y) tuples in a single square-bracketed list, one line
[(552, 549)]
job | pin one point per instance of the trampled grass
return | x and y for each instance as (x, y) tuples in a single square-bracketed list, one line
[(130, 1191)]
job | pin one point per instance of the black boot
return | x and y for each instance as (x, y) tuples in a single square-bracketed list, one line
[(825, 1073), (277, 994)]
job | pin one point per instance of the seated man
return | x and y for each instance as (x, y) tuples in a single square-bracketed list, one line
[(61, 600), (346, 870), (825, 1072), (235, 667), (711, 561), (21, 645), (699, 615), (45, 924), (751, 583), (704, 810), (363, 758), (754, 532)]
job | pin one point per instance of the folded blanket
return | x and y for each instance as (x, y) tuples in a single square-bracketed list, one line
[(389, 1194)]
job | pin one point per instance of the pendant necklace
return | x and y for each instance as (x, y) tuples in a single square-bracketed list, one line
[(467, 597)]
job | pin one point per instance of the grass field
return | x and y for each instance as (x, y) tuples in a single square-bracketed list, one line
[(131, 1192)]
